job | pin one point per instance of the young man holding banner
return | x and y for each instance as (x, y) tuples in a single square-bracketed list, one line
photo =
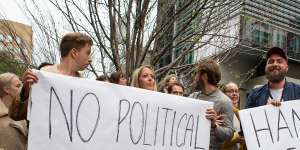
[(75, 50), (208, 76), (277, 89)]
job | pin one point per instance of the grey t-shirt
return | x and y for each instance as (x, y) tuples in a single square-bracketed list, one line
[(223, 106)]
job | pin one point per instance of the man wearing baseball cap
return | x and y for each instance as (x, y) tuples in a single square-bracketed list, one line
[(277, 89)]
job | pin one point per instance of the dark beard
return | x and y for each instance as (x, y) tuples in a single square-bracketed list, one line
[(276, 78), (200, 85)]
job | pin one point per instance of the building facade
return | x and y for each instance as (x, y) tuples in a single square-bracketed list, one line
[(243, 32), (258, 26), (16, 38), (15, 45)]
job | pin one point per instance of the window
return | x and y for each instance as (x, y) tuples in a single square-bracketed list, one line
[(256, 33), (279, 38), (293, 45), (260, 34), (263, 36), (190, 58)]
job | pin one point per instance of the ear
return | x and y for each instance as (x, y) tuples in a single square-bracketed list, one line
[(73, 52), (6, 89), (203, 77)]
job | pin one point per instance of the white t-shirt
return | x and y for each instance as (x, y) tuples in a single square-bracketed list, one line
[(276, 93)]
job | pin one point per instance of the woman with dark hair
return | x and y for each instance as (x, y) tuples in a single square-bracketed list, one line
[(175, 88), (103, 78), (118, 78)]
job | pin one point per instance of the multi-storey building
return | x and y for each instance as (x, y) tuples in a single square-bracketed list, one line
[(245, 30), (16, 38), (15, 43)]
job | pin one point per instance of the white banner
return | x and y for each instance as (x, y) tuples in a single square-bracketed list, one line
[(272, 128), (82, 114)]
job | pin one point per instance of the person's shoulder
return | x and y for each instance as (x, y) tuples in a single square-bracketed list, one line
[(293, 85), (294, 88), (223, 98), (258, 89), (52, 68), (222, 101), (194, 95)]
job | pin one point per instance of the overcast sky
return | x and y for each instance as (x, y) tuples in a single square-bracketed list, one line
[(11, 11)]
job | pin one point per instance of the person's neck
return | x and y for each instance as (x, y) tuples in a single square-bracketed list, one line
[(236, 105), (208, 89), (66, 67), (278, 85), (6, 100)]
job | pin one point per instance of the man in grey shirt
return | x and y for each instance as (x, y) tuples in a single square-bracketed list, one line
[(207, 78)]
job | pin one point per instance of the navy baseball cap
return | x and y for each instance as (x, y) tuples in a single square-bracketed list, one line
[(277, 50)]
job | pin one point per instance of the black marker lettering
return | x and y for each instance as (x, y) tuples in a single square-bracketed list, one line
[(70, 123), (259, 130), (122, 118), (280, 115), (97, 120)]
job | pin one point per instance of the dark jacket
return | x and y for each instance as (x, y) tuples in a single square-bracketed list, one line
[(259, 96)]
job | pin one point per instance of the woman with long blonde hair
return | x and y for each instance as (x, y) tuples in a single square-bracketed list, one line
[(144, 78), (13, 134)]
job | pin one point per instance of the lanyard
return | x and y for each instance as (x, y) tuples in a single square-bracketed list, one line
[(270, 95), (281, 99)]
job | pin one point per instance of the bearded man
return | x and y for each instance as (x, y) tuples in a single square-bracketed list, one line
[(207, 79), (278, 89)]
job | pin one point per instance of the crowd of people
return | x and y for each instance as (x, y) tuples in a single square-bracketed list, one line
[(225, 133)]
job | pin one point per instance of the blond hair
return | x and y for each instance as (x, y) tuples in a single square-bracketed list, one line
[(164, 83), (136, 74), (5, 80), (224, 87)]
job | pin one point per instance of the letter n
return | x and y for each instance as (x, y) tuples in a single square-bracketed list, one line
[(68, 123)]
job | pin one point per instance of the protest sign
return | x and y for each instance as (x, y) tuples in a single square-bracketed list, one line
[(274, 128), (76, 113)]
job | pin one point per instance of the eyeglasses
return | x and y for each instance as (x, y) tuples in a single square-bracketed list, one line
[(232, 91)]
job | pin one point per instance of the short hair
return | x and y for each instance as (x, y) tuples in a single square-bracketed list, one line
[(44, 64), (116, 76), (102, 78), (136, 74), (212, 69), (73, 40), (170, 86), (5, 80)]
